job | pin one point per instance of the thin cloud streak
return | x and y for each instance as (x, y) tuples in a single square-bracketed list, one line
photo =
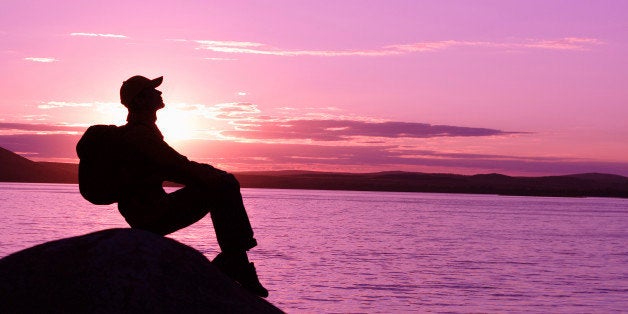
[(337, 130), (567, 43), (62, 104), (235, 111), (267, 156), (41, 60), (99, 35), (40, 127)]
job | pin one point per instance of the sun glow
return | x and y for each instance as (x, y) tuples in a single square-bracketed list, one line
[(176, 124)]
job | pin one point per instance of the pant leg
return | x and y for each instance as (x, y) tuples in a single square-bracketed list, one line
[(229, 217), (224, 203)]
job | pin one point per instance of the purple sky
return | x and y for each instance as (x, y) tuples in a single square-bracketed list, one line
[(517, 87)]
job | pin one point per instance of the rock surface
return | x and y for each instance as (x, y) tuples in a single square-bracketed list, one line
[(119, 271)]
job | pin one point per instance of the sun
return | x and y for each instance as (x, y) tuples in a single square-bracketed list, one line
[(175, 124)]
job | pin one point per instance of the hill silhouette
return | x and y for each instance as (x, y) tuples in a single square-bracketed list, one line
[(579, 185), (15, 168)]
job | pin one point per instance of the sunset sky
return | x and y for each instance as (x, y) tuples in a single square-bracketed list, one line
[(514, 87)]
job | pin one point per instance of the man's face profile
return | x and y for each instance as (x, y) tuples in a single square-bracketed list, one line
[(150, 98)]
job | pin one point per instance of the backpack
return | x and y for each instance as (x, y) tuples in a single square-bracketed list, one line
[(100, 162)]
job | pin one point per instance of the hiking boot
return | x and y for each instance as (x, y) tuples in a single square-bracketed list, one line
[(240, 270)]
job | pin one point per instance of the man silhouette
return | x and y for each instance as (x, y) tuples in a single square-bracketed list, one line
[(148, 161)]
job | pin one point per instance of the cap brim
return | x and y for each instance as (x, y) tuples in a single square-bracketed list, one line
[(156, 82)]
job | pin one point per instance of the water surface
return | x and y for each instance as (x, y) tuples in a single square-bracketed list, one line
[(383, 252)]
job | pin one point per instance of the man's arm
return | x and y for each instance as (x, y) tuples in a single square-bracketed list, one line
[(172, 165)]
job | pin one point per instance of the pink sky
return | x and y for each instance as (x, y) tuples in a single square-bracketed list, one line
[(515, 87)]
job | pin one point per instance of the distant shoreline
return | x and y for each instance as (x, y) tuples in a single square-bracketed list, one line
[(579, 185), (15, 168), (174, 185)]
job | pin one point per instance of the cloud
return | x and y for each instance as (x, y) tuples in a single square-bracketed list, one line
[(263, 49), (40, 127), (40, 59), (35, 117), (315, 139), (99, 35), (231, 111), (337, 130), (567, 43), (62, 104), (232, 44), (271, 156), (245, 121)]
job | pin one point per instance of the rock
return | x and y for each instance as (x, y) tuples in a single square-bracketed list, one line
[(119, 271)]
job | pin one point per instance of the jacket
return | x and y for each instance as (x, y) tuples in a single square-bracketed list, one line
[(148, 161)]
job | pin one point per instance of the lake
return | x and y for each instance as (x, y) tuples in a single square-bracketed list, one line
[(385, 252)]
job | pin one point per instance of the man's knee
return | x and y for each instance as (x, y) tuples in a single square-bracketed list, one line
[(230, 181), (218, 179)]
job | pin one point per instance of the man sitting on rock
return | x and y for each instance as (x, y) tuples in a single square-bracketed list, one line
[(148, 161)]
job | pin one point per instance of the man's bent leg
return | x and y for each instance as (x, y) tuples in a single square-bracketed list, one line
[(190, 204), (231, 223), (180, 209)]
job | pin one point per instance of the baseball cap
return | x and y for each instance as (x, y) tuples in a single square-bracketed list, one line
[(135, 85)]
